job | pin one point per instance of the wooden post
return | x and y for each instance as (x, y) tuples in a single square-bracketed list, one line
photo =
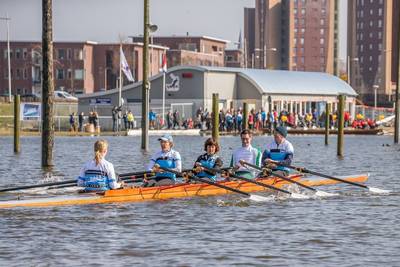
[(397, 101), (327, 122), (340, 126), (245, 116), (145, 82), (215, 118), (48, 84), (17, 123)]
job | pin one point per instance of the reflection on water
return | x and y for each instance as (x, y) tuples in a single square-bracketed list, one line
[(353, 229)]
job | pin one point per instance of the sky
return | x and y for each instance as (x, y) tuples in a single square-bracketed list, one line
[(106, 20)]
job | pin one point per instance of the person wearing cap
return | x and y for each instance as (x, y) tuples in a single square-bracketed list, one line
[(279, 152), (166, 158), (247, 153), (210, 160)]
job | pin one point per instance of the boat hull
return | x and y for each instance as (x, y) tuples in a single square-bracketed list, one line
[(169, 192)]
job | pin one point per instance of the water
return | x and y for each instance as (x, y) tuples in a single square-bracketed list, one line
[(354, 229)]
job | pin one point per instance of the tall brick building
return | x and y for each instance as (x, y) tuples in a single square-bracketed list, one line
[(373, 48), (293, 35)]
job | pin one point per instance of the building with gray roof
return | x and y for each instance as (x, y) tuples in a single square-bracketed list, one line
[(190, 87)]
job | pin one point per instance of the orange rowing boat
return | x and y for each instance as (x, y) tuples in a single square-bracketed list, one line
[(136, 194)]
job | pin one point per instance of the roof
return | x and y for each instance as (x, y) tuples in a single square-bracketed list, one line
[(288, 82)]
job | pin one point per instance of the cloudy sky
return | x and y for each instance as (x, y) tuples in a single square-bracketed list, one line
[(105, 20)]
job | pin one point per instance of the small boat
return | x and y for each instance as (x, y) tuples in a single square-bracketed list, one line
[(138, 194)]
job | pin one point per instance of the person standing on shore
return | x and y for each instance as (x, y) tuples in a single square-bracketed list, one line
[(81, 118)]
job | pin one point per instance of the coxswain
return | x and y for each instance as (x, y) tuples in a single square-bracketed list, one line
[(246, 153), (210, 160), (279, 152), (98, 174), (166, 158)]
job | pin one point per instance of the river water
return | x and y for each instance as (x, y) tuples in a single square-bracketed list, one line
[(353, 229)]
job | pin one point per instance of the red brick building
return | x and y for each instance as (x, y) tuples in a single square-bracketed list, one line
[(191, 50), (79, 67)]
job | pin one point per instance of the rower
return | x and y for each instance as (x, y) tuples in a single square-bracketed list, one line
[(279, 151), (98, 174), (166, 158), (210, 160), (246, 153)]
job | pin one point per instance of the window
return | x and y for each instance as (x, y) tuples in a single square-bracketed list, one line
[(322, 60), (322, 41), (303, 30), (380, 11), (361, 36), (322, 31), (302, 21), (370, 58), (302, 60), (61, 53), (361, 48), (69, 53), (18, 53), (380, 46), (79, 74), (371, 46), (302, 41), (322, 22), (25, 74), (380, 23), (371, 11), (295, 30), (371, 35), (24, 53), (295, 11), (69, 74), (322, 51), (362, 59), (362, 13), (60, 74), (303, 11), (371, 23), (18, 74), (379, 35), (78, 54)]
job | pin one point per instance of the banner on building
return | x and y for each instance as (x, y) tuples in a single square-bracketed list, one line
[(100, 102)]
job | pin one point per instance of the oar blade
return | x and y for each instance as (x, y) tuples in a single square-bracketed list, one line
[(325, 194), (299, 196), (378, 190), (258, 198)]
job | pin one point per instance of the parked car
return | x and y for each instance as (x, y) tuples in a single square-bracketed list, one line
[(64, 95)]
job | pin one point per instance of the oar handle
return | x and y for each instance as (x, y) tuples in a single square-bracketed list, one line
[(208, 182)]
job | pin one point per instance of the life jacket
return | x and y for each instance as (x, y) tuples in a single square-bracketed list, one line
[(166, 162), (95, 180), (209, 163), (278, 155)]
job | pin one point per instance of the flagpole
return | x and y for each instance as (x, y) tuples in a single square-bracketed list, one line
[(120, 84), (163, 100)]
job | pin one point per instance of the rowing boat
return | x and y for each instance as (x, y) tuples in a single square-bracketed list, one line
[(138, 194)]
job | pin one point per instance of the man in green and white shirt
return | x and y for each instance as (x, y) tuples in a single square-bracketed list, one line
[(246, 153)]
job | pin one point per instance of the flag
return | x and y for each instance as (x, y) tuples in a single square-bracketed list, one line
[(164, 63), (125, 67)]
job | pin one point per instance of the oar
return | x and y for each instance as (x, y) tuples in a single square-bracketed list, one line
[(293, 195), (317, 192), (37, 185), (195, 178), (372, 189)]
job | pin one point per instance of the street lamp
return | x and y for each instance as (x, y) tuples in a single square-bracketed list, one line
[(7, 19), (152, 28), (348, 68)]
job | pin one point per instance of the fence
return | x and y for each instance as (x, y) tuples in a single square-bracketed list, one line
[(374, 113)]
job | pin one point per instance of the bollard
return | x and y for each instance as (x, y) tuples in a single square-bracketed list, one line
[(327, 122), (340, 126), (215, 117), (17, 123), (245, 116)]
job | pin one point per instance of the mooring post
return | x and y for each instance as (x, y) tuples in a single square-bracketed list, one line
[(215, 117), (340, 126), (245, 116), (17, 123), (327, 122)]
